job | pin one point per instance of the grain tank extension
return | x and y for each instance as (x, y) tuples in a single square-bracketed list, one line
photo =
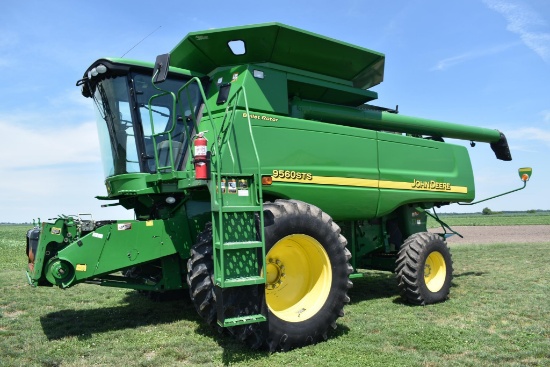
[(261, 179)]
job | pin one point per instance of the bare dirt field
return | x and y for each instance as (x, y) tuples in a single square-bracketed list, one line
[(499, 234)]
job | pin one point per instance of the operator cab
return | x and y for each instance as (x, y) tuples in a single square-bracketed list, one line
[(139, 124)]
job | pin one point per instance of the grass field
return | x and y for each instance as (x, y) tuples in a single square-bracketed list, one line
[(499, 219), (497, 316)]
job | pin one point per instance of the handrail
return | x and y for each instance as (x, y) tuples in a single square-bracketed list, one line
[(228, 118), (175, 101), (225, 135), (193, 116)]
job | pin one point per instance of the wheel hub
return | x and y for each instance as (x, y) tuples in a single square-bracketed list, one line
[(435, 271), (427, 270), (275, 273)]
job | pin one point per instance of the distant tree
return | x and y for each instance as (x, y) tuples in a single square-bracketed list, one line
[(531, 211), (486, 211)]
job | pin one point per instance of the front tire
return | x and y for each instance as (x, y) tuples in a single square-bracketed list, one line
[(424, 269), (307, 274), (307, 265)]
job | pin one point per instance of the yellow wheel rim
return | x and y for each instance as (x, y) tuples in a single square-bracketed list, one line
[(299, 277), (435, 271)]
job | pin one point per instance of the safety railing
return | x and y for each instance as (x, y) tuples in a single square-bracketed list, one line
[(177, 101), (226, 128)]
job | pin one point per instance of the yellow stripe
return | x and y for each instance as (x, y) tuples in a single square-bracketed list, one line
[(363, 182), (340, 181)]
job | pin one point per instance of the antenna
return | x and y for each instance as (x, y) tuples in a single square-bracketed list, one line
[(143, 39)]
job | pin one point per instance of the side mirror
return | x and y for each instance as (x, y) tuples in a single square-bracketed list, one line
[(525, 173), (160, 72)]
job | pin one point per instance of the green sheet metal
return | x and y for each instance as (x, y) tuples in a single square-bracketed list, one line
[(283, 45)]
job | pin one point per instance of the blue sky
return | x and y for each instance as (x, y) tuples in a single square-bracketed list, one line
[(476, 62)]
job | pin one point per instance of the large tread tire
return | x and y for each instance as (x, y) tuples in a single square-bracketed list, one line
[(282, 331), (200, 276), (424, 269), (239, 301), (282, 218)]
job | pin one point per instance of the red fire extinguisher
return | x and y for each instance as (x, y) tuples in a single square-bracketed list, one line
[(201, 157)]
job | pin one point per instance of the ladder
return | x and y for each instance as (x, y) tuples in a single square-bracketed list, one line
[(237, 230)]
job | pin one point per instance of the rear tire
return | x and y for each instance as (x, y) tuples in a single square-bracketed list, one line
[(424, 269)]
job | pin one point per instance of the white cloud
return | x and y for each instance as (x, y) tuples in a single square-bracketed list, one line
[(49, 191), (521, 20), (49, 169), (57, 124), (546, 116), (72, 99), (530, 134), (36, 145), (470, 55)]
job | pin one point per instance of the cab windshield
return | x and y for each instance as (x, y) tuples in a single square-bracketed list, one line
[(127, 131)]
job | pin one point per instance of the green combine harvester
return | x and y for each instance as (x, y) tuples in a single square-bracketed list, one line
[(261, 180)]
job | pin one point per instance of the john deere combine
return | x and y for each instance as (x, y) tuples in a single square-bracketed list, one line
[(261, 179)]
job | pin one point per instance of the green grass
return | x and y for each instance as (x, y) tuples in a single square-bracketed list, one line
[(502, 219), (497, 316)]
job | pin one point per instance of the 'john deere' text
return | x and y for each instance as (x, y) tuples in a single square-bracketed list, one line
[(431, 185)]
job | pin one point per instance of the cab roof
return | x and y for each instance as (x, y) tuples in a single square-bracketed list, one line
[(283, 45)]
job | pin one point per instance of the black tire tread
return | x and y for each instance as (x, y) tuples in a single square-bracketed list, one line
[(200, 277), (275, 340), (410, 264)]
